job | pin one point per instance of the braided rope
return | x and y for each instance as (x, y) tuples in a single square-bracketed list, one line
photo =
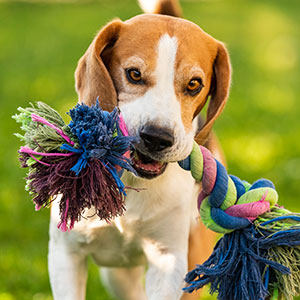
[(227, 203)]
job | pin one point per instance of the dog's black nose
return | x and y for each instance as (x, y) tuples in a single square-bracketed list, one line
[(156, 139)]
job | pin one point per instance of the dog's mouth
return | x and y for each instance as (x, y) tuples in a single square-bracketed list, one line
[(145, 166)]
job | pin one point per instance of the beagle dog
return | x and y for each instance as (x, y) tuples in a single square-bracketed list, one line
[(160, 71)]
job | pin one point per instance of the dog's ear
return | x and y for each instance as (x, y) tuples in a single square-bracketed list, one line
[(219, 91), (92, 79)]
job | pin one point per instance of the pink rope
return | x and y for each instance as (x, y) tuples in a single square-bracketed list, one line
[(250, 210), (39, 161), (201, 197), (36, 118), (37, 207), (32, 152), (122, 126), (210, 171)]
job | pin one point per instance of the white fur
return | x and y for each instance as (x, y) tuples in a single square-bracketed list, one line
[(155, 227), (149, 6)]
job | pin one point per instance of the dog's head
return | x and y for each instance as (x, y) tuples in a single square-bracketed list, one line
[(160, 71)]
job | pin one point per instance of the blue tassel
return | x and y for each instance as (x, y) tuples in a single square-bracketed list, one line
[(82, 160), (99, 136), (239, 267)]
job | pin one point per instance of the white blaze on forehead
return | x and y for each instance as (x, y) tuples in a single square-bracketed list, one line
[(163, 98), (165, 63)]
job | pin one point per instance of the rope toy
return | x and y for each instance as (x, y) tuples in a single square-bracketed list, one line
[(79, 161), (259, 254)]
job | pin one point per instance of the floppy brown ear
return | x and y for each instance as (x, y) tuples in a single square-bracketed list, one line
[(219, 92), (92, 79)]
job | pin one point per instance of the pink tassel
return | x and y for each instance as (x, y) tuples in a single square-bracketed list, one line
[(122, 125), (32, 152)]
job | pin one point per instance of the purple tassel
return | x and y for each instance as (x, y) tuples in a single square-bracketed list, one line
[(95, 186)]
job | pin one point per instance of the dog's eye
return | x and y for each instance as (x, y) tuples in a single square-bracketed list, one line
[(194, 86), (134, 75)]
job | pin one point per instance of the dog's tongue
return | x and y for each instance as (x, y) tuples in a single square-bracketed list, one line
[(145, 163), (152, 167)]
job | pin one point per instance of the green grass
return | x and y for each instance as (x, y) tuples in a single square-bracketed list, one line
[(259, 131)]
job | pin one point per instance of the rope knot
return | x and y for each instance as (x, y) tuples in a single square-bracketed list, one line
[(227, 203)]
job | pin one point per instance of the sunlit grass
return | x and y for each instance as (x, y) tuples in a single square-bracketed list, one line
[(259, 130)]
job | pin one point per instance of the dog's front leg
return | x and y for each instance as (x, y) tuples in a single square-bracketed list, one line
[(67, 266), (164, 278), (166, 253)]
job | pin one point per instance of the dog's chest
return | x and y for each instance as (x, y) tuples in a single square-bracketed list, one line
[(151, 207)]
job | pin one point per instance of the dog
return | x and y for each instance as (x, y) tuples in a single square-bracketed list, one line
[(160, 70)]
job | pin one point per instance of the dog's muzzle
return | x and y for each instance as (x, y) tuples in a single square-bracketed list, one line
[(153, 141)]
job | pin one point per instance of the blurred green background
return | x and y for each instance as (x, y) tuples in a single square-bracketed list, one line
[(40, 43)]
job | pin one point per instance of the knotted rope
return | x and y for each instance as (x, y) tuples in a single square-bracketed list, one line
[(259, 255), (227, 203)]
